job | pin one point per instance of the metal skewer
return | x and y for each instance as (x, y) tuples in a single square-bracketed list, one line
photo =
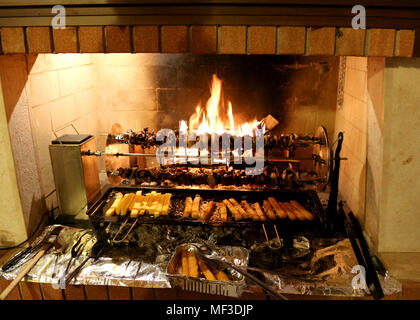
[(277, 234), (119, 230), (265, 232), (128, 232), (153, 155), (117, 173)]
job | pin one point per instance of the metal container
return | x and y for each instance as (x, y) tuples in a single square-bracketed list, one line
[(233, 288), (76, 174)]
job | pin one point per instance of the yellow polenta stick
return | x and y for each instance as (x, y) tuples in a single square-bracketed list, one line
[(155, 204), (269, 210), (118, 208), (232, 209), (192, 265), (240, 210), (184, 261), (220, 275), (125, 207), (188, 207), (206, 271), (223, 212), (150, 202), (259, 211), (165, 204), (159, 207), (114, 205), (143, 205), (123, 203), (302, 209), (142, 208), (136, 204), (195, 213), (250, 212), (286, 207), (205, 215), (278, 209), (136, 199)]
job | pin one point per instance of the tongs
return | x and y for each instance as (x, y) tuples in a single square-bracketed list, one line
[(76, 251), (96, 251), (114, 240), (46, 244), (219, 264), (18, 257), (26, 252)]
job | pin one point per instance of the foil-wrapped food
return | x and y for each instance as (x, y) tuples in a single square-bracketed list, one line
[(187, 272)]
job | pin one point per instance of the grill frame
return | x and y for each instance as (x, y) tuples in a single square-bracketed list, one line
[(308, 198)]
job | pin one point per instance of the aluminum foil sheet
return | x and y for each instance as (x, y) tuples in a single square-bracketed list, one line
[(320, 267), (305, 265), (113, 268)]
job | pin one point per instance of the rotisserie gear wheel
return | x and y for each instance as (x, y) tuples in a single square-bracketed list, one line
[(322, 158)]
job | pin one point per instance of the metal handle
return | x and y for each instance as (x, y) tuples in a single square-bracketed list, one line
[(23, 273), (16, 259), (74, 273), (371, 276), (220, 264), (258, 282), (68, 125)]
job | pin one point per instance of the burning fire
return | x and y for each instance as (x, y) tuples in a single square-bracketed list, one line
[(215, 119)]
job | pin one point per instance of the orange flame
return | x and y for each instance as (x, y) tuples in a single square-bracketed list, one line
[(212, 120)]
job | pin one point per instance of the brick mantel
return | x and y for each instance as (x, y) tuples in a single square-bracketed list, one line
[(310, 27), (212, 39)]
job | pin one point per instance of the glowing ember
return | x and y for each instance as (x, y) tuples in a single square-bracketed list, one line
[(213, 120)]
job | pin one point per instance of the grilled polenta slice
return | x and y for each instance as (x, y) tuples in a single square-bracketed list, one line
[(136, 204), (128, 198), (111, 210)]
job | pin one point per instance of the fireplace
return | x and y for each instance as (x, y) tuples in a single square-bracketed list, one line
[(109, 79), (88, 93)]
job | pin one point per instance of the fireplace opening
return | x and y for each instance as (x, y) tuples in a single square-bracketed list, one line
[(109, 95), (91, 93)]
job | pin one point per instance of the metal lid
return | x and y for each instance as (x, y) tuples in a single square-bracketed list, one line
[(71, 139)]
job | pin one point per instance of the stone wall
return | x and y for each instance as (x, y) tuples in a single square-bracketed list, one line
[(351, 118), (43, 94), (399, 215)]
